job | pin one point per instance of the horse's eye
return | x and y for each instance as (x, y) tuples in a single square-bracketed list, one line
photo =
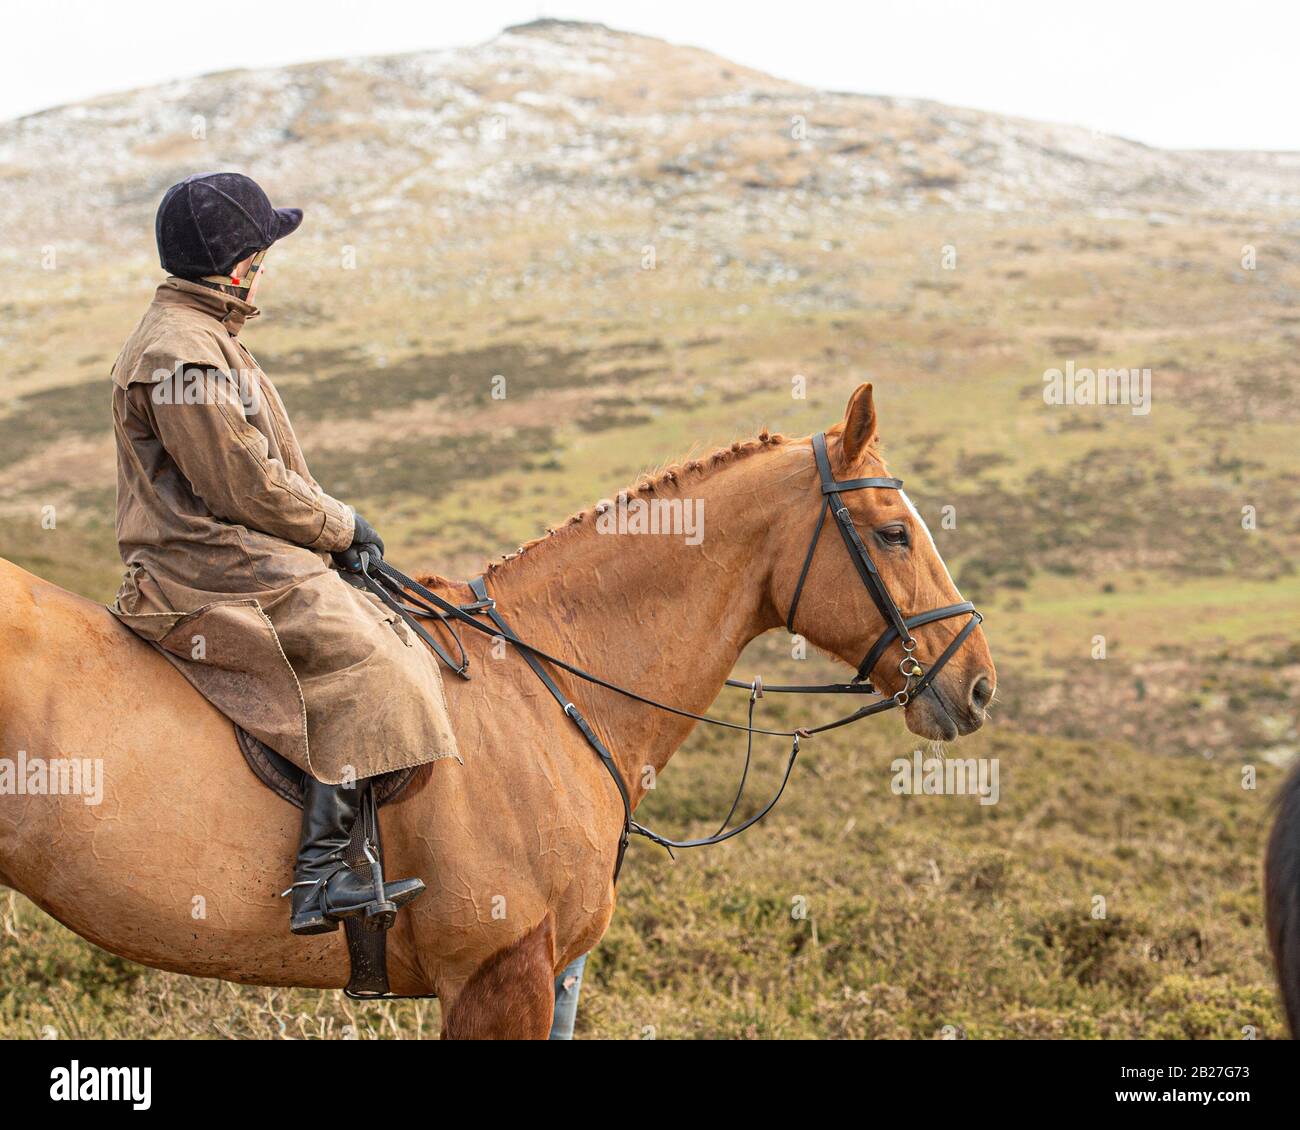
[(893, 535)]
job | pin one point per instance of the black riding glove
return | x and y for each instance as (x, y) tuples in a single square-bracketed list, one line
[(365, 538)]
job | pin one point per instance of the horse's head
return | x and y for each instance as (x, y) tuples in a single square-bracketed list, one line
[(834, 606)]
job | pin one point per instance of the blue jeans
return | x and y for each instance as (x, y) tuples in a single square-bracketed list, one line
[(566, 1000)]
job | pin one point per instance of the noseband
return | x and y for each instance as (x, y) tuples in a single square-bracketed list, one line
[(897, 626), (413, 601)]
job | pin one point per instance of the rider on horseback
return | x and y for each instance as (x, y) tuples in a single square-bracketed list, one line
[(229, 542)]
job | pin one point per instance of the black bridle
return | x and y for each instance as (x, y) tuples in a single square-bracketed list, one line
[(413, 602), (897, 627)]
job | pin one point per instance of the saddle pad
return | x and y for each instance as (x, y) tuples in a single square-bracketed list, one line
[(285, 779)]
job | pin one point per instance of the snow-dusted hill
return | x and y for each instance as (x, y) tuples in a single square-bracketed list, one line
[(559, 118)]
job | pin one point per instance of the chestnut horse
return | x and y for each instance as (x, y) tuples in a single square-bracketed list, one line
[(180, 864)]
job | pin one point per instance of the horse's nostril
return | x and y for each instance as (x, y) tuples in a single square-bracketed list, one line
[(981, 692)]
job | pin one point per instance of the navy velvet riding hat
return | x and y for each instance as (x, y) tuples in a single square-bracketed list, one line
[(210, 221)]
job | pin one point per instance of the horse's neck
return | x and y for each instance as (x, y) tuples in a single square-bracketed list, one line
[(649, 612)]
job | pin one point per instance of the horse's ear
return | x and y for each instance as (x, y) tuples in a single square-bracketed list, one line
[(859, 424)]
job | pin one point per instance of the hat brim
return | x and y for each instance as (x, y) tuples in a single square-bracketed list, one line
[(287, 221)]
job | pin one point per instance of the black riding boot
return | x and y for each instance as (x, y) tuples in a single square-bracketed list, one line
[(325, 889)]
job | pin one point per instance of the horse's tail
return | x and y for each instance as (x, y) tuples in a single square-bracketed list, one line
[(1282, 896)]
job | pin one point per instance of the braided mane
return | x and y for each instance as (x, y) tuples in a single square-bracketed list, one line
[(664, 479)]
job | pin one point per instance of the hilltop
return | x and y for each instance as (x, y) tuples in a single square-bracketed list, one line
[(561, 118)]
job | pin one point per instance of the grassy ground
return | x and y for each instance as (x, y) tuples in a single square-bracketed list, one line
[(1121, 777), (852, 912)]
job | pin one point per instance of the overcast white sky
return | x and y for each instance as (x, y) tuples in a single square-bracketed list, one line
[(1181, 73)]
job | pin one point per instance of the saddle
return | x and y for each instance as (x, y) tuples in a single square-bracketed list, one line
[(367, 950), (285, 779)]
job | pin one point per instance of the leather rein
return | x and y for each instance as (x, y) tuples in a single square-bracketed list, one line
[(413, 602)]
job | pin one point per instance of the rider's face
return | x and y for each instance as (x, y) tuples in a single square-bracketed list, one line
[(239, 271)]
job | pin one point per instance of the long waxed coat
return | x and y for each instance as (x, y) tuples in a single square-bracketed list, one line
[(226, 537)]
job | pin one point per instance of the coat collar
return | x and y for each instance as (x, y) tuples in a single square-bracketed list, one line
[(231, 312)]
